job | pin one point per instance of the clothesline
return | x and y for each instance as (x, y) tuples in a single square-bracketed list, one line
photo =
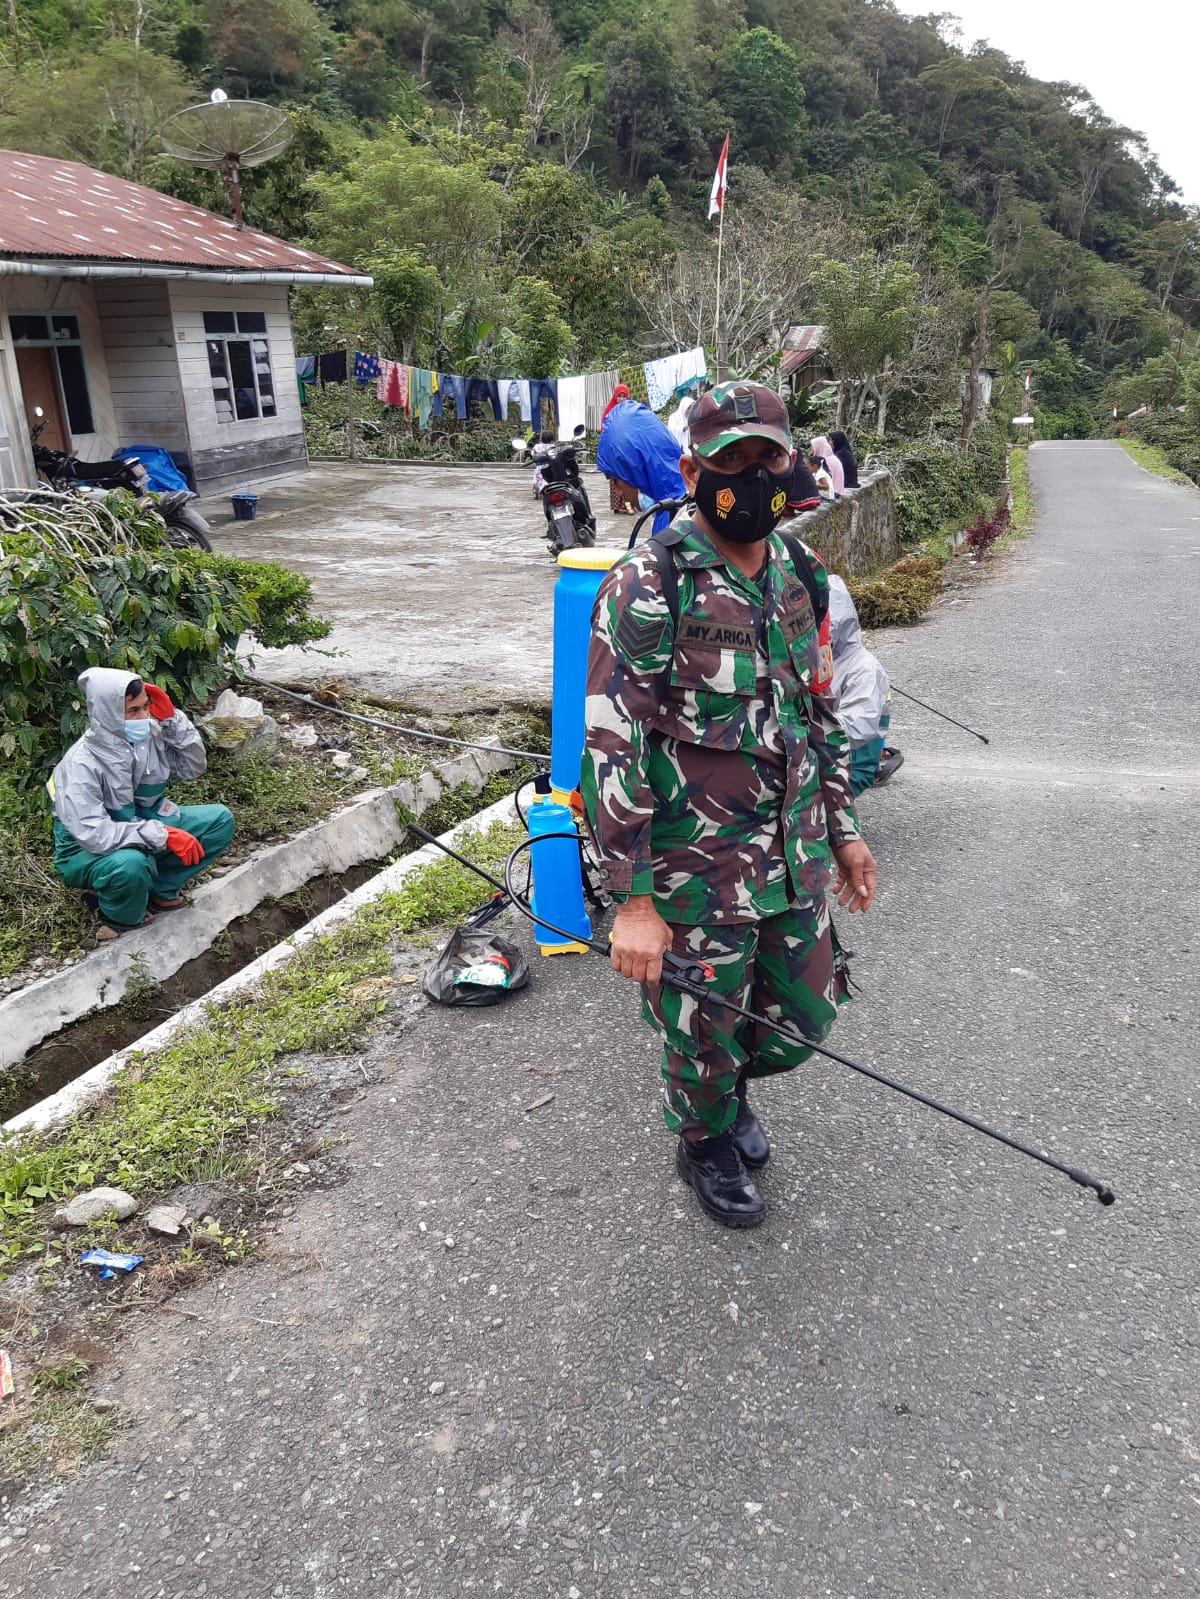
[(422, 393)]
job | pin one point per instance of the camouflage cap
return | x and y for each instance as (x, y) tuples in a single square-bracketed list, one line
[(735, 411)]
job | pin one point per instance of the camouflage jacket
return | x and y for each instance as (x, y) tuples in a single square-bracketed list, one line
[(715, 775)]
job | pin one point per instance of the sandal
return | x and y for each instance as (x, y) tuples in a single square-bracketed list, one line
[(167, 904)]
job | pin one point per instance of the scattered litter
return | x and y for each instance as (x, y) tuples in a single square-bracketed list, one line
[(109, 1263), (538, 1103), (167, 1219), (6, 1376), (751, 1507), (546, 1071), (436, 1388), (731, 1307), (475, 968), (98, 1204)]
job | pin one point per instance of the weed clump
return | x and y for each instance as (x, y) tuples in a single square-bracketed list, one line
[(898, 595)]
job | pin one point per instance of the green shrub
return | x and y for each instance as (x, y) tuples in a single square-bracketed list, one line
[(278, 597), (898, 595), (941, 488), (1176, 435), (95, 584)]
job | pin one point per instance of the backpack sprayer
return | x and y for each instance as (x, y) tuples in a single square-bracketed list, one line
[(691, 977)]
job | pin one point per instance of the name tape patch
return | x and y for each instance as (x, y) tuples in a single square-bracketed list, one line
[(717, 635)]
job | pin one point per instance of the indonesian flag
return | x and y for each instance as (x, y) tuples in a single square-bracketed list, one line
[(716, 200)]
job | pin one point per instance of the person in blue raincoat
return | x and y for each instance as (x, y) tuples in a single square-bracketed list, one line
[(636, 448)]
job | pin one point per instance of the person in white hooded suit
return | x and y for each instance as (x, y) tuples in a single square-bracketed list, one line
[(863, 693), (116, 834)]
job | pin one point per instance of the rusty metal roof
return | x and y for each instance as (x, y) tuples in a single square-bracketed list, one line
[(53, 209), (800, 344)]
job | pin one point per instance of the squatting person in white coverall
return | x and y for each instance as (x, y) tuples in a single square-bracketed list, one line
[(116, 834)]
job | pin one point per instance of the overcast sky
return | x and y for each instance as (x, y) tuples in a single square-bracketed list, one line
[(1141, 63)]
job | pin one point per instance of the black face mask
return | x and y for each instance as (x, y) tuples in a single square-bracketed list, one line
[(742, 506)]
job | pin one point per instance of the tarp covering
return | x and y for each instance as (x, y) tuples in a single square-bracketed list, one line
[(164, 476), (640, 450)]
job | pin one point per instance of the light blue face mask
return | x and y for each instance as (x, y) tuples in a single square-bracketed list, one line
[(137, 732)]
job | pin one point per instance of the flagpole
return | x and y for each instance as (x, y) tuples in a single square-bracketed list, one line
[(719, 338)]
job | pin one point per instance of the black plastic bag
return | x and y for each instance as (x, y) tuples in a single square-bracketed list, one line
[(475, 968)]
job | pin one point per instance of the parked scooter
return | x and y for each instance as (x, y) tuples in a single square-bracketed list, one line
[(64, 473), (570, 522)]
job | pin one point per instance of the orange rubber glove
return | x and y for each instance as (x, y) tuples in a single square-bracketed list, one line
[(185, 845), (161, 708)]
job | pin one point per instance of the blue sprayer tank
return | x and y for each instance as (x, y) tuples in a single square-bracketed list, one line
[(557, 878)]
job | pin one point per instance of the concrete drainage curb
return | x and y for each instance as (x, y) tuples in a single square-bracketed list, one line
[(363, 831), (75, 1096)]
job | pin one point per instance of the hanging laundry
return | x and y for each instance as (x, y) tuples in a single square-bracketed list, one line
[(366, 367), (437, 395), (306, 368), (572, 406), (391, 386), (485, 391), (516, 389), (598, 387), (454, 388), (420, 395), (332, 367), (542, 389), (673, 372)]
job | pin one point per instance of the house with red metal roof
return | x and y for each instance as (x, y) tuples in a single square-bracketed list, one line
[(131, 318)]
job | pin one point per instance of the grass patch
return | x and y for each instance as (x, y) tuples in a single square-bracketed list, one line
[(269, 797), (52, 1437), (185, 1113), (1154, 460)]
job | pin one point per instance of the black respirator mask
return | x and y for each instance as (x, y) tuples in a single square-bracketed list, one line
[(742, 507)]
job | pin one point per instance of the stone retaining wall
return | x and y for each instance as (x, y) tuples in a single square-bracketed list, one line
[(856, 534)]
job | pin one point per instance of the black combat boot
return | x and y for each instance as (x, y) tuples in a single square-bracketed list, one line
[(714, 1169), (747, 1131)]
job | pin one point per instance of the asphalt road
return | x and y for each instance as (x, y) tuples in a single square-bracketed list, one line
[(936, 1371)]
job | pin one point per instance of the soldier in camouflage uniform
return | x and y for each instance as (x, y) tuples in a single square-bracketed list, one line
[(716, 781)]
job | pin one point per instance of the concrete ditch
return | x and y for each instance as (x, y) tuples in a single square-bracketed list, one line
[(75, 1096), (368, 829)]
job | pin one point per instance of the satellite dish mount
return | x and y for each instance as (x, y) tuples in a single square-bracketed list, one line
[(225, 136)]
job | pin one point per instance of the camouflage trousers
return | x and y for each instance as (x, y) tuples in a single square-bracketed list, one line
[(781, 967)]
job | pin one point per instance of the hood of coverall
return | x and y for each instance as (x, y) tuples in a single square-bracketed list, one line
[(104, 687), (845, 633)]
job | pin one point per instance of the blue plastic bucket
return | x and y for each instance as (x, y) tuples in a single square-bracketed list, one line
[(245, 506)]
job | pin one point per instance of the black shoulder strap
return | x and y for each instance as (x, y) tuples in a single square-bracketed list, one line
[(668, 573)]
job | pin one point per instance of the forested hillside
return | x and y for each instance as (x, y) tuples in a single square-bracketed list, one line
[(528, 183)]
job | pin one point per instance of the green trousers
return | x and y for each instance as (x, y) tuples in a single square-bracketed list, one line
[(124, 879), (864, 761), (782, 967)]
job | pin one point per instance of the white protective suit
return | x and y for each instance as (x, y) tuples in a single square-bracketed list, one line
[(859, 681), (108, 793)]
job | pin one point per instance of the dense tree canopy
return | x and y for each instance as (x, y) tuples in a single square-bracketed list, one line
[(497, 162)]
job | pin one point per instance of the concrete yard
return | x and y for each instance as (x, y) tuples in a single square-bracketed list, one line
[(508, 1355), (437, 579)]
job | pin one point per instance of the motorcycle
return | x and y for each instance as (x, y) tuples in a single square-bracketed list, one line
[(185, 526), (570, 522)]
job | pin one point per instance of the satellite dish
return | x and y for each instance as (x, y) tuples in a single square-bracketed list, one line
[(226, 135)]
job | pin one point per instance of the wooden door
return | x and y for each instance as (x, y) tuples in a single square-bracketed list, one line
[(39, 386)]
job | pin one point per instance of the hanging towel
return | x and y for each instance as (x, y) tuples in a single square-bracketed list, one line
[(420, 395), (672, 372), (597, 391), (389, 386), (542, 389), (306, 367), (366, 367), (454, 388), (333, 367), (572, 407), (516, 389)]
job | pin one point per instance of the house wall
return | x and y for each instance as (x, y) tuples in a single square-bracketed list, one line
[(143, 373), (227, 453), (71, 297), (16, 463)]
